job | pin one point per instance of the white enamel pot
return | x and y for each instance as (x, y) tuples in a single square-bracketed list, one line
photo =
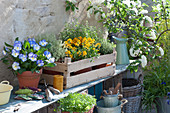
[(5, 92)]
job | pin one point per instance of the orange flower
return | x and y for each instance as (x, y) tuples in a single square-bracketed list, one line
[(84, 53)]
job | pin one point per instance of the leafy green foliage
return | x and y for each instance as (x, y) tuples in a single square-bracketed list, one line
[(156, 82), (73, 30), (76, 102), (55, 46), (106, 47), (70, 6)]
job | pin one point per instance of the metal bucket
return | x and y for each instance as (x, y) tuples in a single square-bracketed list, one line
[(110, 100), (5, 92), (102, 109)]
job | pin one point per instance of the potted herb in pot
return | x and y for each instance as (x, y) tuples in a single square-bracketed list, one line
[(77, 103), (27, 59)]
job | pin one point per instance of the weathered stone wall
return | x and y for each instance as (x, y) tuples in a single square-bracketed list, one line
[(24, 18)]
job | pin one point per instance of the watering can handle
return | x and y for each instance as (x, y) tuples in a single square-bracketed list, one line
[(5, 81), (124, 101)]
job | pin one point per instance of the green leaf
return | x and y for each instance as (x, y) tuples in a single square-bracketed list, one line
[(51, 65), (21, 70), (48, 46), (72, 8), (67, 8), (8, 45), (89, 7), (17, 39)]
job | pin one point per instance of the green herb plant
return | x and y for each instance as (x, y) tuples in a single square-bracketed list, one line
[(56, 49), (73, 30), (77, 102)]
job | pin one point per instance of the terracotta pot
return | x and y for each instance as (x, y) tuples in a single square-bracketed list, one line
[(50, 72), (29, 79), (90, 111), (83, 71)]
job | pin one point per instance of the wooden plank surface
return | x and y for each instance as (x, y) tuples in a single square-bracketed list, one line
[(89, 76), (60, 67), (85, 63)]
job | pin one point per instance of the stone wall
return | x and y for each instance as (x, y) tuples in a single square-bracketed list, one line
[(24, 18)]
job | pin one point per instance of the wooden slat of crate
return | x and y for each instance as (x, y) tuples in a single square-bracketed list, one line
[(82, 64), (89, 76)]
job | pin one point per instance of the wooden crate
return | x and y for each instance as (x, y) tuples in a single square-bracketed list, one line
[(67, 67)]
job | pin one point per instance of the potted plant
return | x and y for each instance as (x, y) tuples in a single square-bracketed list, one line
[(27, 59), (81, 48), (157, 85), (77, 103)]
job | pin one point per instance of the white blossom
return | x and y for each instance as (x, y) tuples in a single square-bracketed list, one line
[(133, 52), (143, 60), (143, 12), (138, 42), (147, 21), (153, 35), (103, 15), (161, 50)]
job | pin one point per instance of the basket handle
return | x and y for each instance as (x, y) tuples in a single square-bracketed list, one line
[(5, 81), (140, 78), (124, 101)]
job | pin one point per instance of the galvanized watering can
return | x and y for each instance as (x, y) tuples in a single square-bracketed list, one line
[(117, 109), (121, 48), (111, 100)]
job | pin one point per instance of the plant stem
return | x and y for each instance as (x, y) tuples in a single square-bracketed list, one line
[(161, 34)]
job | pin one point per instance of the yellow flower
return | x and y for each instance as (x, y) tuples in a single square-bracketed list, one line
[(71, 56), (69, 40), (89, 39), (84, 40), (80, 38), (94, 48), (84, 53), (67, 52), (98, 45), (74, 48), (79, 53)]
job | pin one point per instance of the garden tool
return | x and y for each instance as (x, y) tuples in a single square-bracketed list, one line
[(116, 88), (49, 95), (56, 91)]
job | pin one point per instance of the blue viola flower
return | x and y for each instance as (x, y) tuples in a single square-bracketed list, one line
[(40, 63), (15, 66), (23, 57), (32, 41), (43, 42), (32, 56), (15, 53), (51, 60), (36, 47), (168, 102), (163, 83), (168, 93), (47, 54), (17, 45)]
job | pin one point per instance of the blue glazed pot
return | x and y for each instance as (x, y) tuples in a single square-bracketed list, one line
[(121, 48)]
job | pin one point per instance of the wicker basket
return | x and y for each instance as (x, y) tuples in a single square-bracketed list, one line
[(131, 87), (133, 104)]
